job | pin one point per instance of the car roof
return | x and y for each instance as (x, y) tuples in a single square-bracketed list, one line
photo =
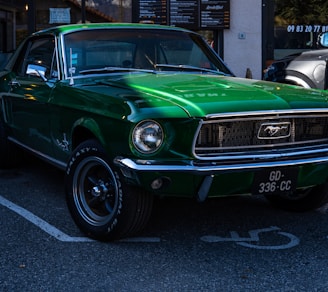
[(63, 29)]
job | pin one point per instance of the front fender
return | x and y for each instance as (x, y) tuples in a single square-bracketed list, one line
[(85, 128)]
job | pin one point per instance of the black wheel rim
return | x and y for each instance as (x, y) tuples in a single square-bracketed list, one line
[(95, 191)]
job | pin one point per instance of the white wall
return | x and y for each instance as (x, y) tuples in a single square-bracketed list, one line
[(243, 41)]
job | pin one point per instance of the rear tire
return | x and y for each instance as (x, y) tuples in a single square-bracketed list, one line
[(102, 205), (301, 201)]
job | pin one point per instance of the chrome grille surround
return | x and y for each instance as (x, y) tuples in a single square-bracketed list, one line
[(279, 134)]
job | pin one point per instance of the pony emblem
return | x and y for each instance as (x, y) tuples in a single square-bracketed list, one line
[(274, 130)]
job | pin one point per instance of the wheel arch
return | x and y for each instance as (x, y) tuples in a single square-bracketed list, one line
[(297, 78), (86, 129)]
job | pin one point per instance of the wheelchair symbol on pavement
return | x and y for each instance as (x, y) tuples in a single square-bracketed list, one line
[(253, 241)]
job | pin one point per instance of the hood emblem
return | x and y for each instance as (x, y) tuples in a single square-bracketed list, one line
[(274, 130)]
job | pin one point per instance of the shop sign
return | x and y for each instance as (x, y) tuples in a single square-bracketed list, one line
[(307, 28), (192, 14), (59, 15)]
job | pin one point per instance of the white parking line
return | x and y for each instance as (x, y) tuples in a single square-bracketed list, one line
[(37, 221), (55, 232), (141, 239)]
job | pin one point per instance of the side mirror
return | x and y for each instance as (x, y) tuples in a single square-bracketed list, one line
[(323, 40), (36, 70)]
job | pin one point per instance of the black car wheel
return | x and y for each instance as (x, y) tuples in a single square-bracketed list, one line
[(101, 204), (302, 200)]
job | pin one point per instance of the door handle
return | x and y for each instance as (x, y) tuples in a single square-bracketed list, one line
[(14, 83)]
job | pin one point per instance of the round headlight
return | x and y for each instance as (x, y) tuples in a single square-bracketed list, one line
[(147, 136)]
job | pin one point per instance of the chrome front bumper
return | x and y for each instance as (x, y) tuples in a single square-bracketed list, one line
[(131, 169), (210, 168)]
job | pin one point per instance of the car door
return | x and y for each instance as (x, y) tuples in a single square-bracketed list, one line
[(26, 108)]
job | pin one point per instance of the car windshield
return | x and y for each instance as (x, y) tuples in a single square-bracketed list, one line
[(117, 50)]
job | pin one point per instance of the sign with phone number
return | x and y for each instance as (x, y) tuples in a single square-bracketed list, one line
[(307, 28)]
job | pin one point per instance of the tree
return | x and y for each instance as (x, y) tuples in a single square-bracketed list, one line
[(311, 12)]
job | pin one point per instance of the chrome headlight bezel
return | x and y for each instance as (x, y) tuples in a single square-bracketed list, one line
[(147, 136)]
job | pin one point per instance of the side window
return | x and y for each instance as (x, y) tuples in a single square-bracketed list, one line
[(38, 60)]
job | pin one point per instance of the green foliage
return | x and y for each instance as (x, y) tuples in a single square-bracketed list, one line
[(302, 12)]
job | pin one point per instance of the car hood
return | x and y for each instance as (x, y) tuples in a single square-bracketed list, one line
[(305, 56), (309, 55), (198, 95)]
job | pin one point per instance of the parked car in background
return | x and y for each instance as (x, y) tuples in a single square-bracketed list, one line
[(307, 69), (136, 111)]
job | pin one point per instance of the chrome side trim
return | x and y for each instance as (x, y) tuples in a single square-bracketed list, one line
[(55, 162), (149, 165)]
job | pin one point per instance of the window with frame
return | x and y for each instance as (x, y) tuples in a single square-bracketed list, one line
[(38, 59)]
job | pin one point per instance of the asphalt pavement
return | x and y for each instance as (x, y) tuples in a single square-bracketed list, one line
[(229, 244)]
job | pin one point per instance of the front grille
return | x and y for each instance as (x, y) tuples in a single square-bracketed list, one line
[(254, 134)]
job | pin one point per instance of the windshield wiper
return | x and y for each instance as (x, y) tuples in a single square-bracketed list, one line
[(187, 68), (156, 67), (112, 70)]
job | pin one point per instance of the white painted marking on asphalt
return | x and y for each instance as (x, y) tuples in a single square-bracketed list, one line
[(254, 237), (43, 225), (55, 232), (141, 239), (293, 241)]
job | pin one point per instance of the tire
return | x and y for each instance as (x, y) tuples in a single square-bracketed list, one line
[(301, 201), (102, 205)]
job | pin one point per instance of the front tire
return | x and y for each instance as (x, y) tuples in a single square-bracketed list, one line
[(102, 205), (302, 200)]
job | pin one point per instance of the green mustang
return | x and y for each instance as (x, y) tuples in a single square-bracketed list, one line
[(134, 111)]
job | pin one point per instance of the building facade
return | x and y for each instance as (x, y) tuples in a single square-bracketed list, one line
[(243, 41), (249, 36)]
